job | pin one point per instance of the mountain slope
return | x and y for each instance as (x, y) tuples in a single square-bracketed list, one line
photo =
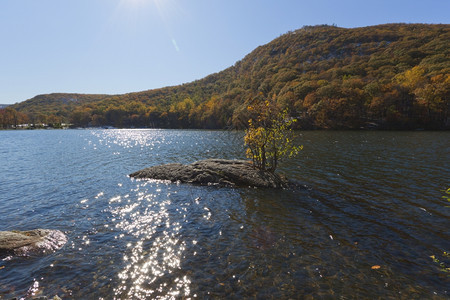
[(387, 76)]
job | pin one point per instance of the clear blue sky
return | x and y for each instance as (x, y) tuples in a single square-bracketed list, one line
[(120, 46)]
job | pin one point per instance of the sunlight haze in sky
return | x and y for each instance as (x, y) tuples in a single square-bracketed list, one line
[(121, 46)]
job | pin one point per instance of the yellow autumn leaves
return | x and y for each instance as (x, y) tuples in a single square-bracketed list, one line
[(269, 135)]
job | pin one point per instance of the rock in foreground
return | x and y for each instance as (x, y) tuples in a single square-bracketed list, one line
[(37, 241), (214, 172)]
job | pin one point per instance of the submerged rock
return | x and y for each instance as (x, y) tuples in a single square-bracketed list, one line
[(35, 242), (214, 172)]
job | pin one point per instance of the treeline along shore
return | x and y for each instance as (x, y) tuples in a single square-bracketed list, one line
[(392, 76)]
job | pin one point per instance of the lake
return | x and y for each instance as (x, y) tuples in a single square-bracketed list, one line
[(370, 217)]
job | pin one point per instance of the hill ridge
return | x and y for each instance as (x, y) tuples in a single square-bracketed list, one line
[(386, 76)]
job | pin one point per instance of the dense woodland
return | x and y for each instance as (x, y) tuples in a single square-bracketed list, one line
[(393, 76)]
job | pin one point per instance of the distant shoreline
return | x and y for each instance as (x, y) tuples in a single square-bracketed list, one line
[(207, 129)]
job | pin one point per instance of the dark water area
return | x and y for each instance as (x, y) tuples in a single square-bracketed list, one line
[(365, 227)]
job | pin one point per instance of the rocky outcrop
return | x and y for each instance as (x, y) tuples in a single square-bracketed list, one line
[(35, 242), (214, 172)]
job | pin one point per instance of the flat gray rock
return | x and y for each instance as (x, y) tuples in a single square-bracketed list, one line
[(37, 241), (214, 172)]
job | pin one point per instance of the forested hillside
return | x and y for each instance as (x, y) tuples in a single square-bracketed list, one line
[(393, 76)]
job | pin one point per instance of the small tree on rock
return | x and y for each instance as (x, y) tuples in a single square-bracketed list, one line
[(269, 136)]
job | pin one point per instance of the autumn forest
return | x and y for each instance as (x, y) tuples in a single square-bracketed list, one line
[(393, 76)]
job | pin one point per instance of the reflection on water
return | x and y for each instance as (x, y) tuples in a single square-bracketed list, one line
[(373, 199), (156, 254)]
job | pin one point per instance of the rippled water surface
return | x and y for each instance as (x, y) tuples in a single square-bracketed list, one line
[(366, 225)]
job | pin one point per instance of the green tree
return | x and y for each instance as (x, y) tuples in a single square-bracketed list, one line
[(269, 136)]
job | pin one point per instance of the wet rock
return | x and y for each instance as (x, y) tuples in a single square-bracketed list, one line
[(37, 241), (214, 172)]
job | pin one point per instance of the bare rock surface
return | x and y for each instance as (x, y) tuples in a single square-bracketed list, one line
[(214, 172), (37, 241)]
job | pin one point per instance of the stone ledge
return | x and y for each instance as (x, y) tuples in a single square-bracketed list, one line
[(37, 241), (220, 172)]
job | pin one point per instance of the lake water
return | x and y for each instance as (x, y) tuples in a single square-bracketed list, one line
[(371, 199)]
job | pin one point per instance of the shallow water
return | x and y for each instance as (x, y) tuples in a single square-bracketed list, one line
[(372, 199)]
